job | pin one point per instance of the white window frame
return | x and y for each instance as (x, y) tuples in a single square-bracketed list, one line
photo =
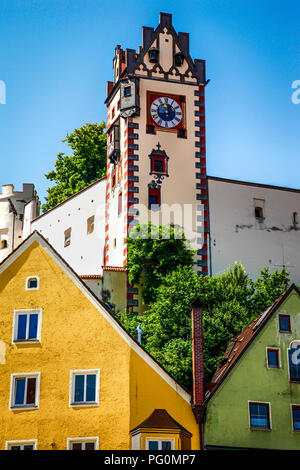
[(160, 440), (73, 374), (32, 288), (27, 442), (26, 375), (15, 325), (82, 440)]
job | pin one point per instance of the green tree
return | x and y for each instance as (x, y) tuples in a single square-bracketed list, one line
[(86, 164), (231, 301), (152, 253)]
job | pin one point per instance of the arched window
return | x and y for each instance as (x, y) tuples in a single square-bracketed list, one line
[(32, 283), (294, 361)]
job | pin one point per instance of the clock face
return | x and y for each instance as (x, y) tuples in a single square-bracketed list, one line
[(166, 112)]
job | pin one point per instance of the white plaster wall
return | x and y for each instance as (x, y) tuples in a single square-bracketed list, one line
[(85, 252), (236, 235)]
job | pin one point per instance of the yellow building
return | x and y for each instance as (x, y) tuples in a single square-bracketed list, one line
[(70, 375)]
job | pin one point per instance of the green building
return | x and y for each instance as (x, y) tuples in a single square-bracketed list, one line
[(254, 402)]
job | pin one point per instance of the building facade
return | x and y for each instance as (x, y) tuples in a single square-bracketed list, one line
[(71, 376), (256, 389)]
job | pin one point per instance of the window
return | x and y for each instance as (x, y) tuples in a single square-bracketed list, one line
[(296, 417), (160, 444), (90, 224), (3, 244), (150, 129), (284, 324), (85, 387), (27, 325), (120, 203), (127, 90), (154, 197), (294, 361), (83, 443), (68, 237), (295, 219), (181, 133), (32, 283), (258, 212), (259, 415), (25, 390), (273, 358), (21, 445)]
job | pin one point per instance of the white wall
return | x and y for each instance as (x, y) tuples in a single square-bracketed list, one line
[(236, 235), (85, 252)]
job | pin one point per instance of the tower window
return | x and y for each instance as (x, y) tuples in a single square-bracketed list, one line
[(181, 133), (150, 129), (154, 197), (127, 90), (153, 55)]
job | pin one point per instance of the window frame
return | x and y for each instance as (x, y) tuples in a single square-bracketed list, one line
[(26, 312), (269, 420), (289, 323), (85, 372), (80, 440), (21, 443), (160, 440), (28, 279), (277, 350), (24, 406)]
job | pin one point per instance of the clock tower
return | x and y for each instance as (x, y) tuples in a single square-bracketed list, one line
[(156, 160)]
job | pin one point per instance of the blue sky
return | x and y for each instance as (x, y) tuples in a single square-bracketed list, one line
[(56, 56)]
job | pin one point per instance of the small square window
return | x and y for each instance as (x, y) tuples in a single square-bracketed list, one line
[(259, 415), (273, 358), (181, 133), (284, 324), (24, 391), (27, 325), (296, 417), (84, 387), (158, 165), (32, 283)]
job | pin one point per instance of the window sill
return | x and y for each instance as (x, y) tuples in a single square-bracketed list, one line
[(259, 429), (91, 403), (24, 407), (26, 341)]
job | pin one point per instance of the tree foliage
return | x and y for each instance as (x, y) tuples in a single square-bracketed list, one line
[(86, 164), (152, 253), (231, 301)]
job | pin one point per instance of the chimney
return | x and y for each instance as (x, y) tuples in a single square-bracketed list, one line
[(197, 348), (198, 405)]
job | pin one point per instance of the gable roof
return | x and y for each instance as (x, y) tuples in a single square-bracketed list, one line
[(238, 345), (160, 419), (98, 304)]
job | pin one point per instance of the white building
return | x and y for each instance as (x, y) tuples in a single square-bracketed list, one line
[(75, 228), (12, 206), (255, 224)]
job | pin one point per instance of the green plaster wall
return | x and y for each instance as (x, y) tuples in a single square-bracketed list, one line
[(227, 417)]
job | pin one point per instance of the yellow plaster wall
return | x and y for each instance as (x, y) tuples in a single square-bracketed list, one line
[(74, 336), (150, 391)]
